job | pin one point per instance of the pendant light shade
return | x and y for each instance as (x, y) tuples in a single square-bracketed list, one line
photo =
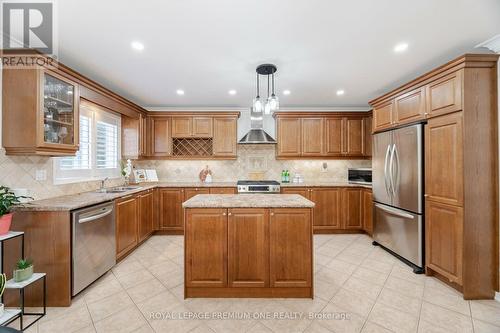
[(271, 103), (257, 104)]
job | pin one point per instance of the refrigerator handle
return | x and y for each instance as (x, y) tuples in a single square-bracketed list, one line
[(395, 212), (396, 167), (385, 169), (391, 172)]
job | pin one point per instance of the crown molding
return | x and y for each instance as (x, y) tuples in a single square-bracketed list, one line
[(492, 44), (246, 110)]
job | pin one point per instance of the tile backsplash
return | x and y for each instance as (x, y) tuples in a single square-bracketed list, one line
[(20, 171), (253, 158)]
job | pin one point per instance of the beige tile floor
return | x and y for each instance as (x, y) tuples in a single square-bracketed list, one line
[(375, 291)]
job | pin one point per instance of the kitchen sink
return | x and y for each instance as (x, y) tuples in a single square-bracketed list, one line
[(118, 189)]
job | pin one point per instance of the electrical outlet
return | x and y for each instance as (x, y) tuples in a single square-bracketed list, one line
[(40, 175), (324, 167)]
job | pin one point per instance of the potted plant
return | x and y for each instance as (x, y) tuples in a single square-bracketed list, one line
[(7, 200), (24, 270), (3, 281)]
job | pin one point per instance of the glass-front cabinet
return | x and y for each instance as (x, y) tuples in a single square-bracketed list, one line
[(59, 112)]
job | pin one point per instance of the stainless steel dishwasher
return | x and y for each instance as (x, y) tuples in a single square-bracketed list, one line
[(93, 244)]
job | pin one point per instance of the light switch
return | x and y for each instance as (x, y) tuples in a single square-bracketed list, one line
[(40, 175)]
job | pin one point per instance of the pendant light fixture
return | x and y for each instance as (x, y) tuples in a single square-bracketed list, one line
[(272, 102)]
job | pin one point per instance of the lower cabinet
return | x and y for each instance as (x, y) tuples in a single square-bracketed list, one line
[(170, 209), (146, 210), (444, 239), (191, 192), (328, 209), (352, 208), (126, 214), (248, 252), (367, 211), (223, 190)]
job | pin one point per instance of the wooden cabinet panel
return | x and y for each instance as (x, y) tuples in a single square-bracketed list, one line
[(367, 211), (327, 212), (191, 192), (354, 137), (444, 232), (334, 136), (367, 128), (223, 190), (146, 209), (444, 159), (126, 224), (303, 191), (171, 214), (290, 243), (352, 208), (182, 127), (248, 247), (289, 136), (202, 127), (225, 137), (382, 116), (410, 106), (445, 95), (312, 136), (206, 248), (161, 141)]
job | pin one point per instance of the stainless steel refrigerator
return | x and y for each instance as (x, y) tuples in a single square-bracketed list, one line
[(398, 193)]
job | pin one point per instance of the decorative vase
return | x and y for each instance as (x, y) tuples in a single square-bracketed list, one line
[(5, 221), (23, 274)]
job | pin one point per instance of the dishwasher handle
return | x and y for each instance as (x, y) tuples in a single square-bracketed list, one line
[(95, 217)]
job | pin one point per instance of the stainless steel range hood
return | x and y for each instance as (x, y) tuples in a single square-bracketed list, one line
[(256, 135)]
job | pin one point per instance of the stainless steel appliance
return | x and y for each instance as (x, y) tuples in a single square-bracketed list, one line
[(362, 176), (398, 193), (93, 244), (258, 186)]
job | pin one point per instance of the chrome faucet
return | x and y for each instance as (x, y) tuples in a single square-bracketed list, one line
[(102, 183)]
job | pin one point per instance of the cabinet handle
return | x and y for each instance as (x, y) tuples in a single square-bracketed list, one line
[(223, 214), (229, 214), (272, 214)]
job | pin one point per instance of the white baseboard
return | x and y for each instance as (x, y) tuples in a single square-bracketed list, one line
[(497, 296)]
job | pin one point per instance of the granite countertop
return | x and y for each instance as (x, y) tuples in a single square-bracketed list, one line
[(79, 200), (248, 201)]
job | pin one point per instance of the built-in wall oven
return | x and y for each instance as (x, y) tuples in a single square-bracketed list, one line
[(93, 244)]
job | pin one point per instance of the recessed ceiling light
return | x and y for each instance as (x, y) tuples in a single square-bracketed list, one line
[(180, 92), (137, 46), (286, 92), (401, 47), (232, 92), (340, 92)]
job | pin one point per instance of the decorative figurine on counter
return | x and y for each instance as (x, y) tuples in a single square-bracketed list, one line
[(206, 175), (126, 170)]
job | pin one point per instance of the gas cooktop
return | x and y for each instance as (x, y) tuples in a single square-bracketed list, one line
[(258, 186)]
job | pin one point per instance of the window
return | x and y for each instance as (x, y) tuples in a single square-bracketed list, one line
[(99, 152)]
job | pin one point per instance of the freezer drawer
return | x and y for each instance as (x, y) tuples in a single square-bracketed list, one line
[(399, 231)]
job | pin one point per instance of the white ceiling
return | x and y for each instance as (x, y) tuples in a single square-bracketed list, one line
[(209, 47)]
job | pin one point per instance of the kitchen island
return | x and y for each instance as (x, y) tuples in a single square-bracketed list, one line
[(248, 245)]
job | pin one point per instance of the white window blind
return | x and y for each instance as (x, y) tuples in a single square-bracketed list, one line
[(99, 152)]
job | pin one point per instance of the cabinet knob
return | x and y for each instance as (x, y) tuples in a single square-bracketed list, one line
[(229, 214), (223, 214), (272, 214)]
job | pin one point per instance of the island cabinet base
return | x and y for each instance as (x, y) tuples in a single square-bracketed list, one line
[(248, 252)]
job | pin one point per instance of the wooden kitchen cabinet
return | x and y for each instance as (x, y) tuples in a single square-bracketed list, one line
[(334, 136), (40, 112), (134, 137), (289, 137), (182, 127), (367, 128), (327, 210), (202, 127), (410, 106), (444, 239), (354, 134), (170, 209), (248, 247), (445, 94), (126, 216), (290, 242), (382, 116), (191, 192), (161, 139), (303, 191), (223, 190), (352, 208), (367, 211), (312, 136), (206, 247), (444, 159), (146, 211), (225, 136)]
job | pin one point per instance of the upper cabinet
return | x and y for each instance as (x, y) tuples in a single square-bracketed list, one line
[(40, 112), (445, 94), (332, 135), (176, 135)]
